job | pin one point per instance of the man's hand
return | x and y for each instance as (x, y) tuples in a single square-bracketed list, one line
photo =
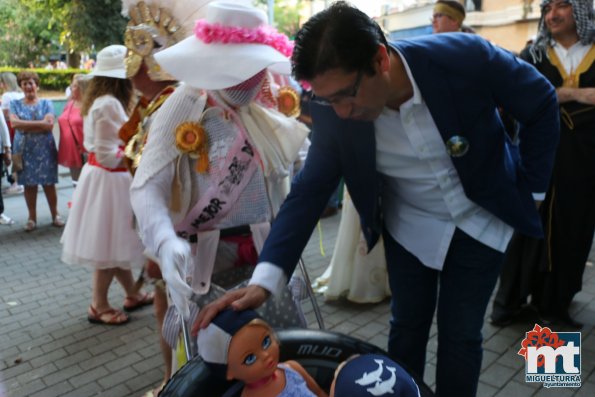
[(249, 297), (175, 258), (582, 95), (7, 158)]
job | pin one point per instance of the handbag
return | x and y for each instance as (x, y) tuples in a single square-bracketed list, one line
[(79, 147), (17, 162), (17, 158)]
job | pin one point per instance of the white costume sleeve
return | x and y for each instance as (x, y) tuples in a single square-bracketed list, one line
[(5, 101), (4, 135), (150, 205), (108, 117), (152, 183)]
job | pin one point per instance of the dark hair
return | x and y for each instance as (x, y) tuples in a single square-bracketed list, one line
[(121, 89), (340, 37), (454, 4), (26, 75)]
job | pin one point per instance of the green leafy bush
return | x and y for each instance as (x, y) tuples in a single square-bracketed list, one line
[(55, 80)]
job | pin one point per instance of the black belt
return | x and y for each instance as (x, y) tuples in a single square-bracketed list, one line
[(243, 230)]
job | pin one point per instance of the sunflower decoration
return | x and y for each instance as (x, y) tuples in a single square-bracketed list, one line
[(288, 102), (191, 139)]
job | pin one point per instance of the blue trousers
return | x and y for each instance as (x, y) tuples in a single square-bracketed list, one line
[(461, 290)]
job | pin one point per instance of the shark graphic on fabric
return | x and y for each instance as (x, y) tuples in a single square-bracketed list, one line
[(381, 387)]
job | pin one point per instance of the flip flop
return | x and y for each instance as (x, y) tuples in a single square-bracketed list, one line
[(132, 303), (110, 316)]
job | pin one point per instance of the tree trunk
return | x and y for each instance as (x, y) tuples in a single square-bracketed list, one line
[(74, 60)]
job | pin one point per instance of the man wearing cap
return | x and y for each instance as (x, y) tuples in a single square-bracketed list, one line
[(448, 16), (551, 269), (412, 127), (214, 168)]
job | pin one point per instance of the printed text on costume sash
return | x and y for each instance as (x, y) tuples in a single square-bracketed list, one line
[(209, 212), (236, 170)]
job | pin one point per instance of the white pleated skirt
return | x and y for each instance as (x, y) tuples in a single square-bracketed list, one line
[(99, 232)]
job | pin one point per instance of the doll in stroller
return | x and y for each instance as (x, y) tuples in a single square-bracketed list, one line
[(318, 352)]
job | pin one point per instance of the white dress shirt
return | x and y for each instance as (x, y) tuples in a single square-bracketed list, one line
[(424, 201), (571, 57)]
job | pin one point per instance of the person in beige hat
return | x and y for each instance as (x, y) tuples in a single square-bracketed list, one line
[(448, 16), (216, 163), (99, 232)]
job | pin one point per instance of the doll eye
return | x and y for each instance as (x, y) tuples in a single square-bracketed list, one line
[(250, 359), (266, 342)]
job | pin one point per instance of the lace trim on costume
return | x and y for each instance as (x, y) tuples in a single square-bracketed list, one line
[(209, 33)]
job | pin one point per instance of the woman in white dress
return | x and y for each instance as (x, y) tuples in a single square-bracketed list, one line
[(99, 232), (354, 273)]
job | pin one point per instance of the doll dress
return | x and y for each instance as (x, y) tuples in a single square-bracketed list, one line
[(295, 385)]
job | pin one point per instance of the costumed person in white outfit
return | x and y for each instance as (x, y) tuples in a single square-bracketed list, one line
[(99, 232), (215, 165), (354, 273), (165, 22)]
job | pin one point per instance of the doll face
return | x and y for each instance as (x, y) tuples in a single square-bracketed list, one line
[(253, 354)]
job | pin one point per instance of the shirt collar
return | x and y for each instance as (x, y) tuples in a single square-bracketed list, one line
[(416, 99), (576, 46)]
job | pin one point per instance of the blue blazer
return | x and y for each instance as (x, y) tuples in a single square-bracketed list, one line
[(463, 79)]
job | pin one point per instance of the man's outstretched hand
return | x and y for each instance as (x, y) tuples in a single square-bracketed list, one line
[(249, 297)]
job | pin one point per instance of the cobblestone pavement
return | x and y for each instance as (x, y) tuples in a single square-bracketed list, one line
[(47, 347)]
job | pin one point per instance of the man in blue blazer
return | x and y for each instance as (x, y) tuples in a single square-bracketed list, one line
[(413, 128)]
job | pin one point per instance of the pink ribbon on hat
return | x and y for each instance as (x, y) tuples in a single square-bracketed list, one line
[(216, 33)]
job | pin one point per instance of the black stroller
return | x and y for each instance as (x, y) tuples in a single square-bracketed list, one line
[(319, 352)]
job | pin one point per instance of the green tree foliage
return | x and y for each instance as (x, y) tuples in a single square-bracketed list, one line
[(90, 23), (286, 15), (26, 34), (45, 26)]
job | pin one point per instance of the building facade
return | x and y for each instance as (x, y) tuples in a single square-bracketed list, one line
[(507, 23)]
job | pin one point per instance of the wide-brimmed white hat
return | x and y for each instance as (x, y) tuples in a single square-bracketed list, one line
[(110, 62), (230, 45)]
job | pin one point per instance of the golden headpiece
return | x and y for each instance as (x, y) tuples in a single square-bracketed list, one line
[(155, 25)]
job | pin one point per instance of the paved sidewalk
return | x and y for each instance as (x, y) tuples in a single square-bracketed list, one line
[(47, 347)]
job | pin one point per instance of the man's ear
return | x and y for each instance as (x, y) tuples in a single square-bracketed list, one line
[(382, 58)]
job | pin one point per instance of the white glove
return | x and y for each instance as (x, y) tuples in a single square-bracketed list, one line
[(176, 259)]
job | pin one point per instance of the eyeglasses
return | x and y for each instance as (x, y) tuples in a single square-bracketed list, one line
[(348, 96)]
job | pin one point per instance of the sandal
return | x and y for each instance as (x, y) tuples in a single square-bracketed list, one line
[(30, 226), (58, 222), (110, 316), (155, 392), (132, 303)]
